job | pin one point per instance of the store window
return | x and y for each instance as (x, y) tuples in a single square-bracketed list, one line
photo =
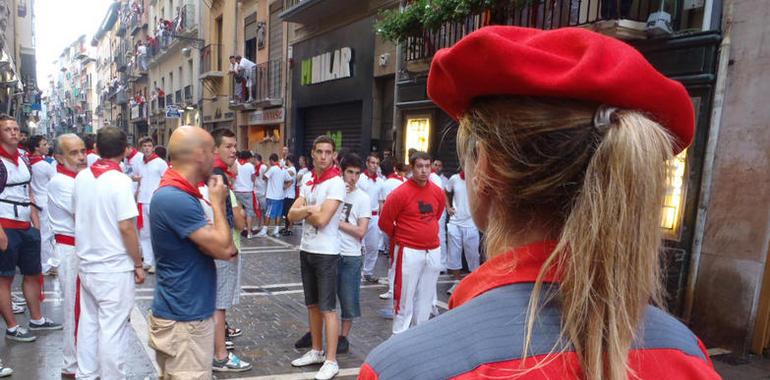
[(673, 203), (417, 134)]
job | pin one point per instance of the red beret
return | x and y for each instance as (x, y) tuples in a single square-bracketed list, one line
[(569, 63)]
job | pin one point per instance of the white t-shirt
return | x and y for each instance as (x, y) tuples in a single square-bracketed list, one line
[(291, 191), (60, 205), (323, 241), (151, 173), (372, 188), (275, 177), (42, 172), (131, 167), (243, 182), (100, 204), (355, 207), (260, 185), (17, 173), (388, 186), (91, 158), (435, 178), (462, 216)]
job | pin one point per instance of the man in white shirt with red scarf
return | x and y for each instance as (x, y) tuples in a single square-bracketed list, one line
[(151, 170), (371, 183), (42, 172)]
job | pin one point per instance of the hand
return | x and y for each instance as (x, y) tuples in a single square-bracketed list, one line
[(313, 209), (139, 275), (217, 190), (450, 211), (349, 188), (136, 178)]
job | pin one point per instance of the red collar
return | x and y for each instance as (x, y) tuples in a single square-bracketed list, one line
[(326, 175), (243, 161), (218, 163), (148, 159), (462, 175), (516, 266), (102, 166), (132, 153), (13, 157), (69, 173), (373, 177), (396, 176), (278, 164), (90, 151), (35, 158), (174, 179)]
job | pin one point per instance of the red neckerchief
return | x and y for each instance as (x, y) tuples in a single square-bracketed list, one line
[(102, 166), (518, 265), (462, 175), (243, 161), (278, 164), (396, 176), (174, 179), (148, 159), (132, 153), (259, 167), (434, 171), (373, 177), (69, 173), (218, 163), (34, 158), (326, 175), (13, 157), (90, 151)]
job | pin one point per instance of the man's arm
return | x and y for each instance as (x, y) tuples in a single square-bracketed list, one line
[(320, 217), (34, 215), (3, 240), (388, 216), (130, 239), (216, 240), (298, 210), (358, 231)]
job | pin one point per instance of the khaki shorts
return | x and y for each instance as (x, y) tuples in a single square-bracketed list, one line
[(183, 350)]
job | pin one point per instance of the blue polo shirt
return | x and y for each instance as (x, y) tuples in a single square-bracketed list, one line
[(186, 277)]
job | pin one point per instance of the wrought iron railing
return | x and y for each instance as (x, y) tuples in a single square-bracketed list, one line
[(259, 84)]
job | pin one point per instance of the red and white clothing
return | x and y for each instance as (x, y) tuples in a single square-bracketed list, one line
[(410, 219), (15, 209), (275, 179), (91, 157), (102, 199), (260, 187), (325, 240), (151, 170), (42, 172), (243, 181), (291, 178), (372, 186), (463, 236), (390, 183), (131, 166), (439, 181), (62, 221)]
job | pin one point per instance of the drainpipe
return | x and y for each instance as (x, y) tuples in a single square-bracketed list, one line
[(708, 162), (396, 113)]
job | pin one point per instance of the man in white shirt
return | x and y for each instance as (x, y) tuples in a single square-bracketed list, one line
[(390, 169), (246, 69), (318, 206), (42, 172), (436, 178), (70, 153), (131, 166), (91, 155), (275, 177), (463, 234), (371, 184), (151, 170), (260, 189), (107, 245), (290, 192), (244, 188)]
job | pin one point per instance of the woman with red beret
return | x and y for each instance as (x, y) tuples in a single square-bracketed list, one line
[(563, 136)]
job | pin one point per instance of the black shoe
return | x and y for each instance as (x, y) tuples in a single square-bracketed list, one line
[(305, 342), (371, 279), (343, 345)]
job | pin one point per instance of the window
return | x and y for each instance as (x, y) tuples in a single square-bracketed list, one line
[(417, 134)]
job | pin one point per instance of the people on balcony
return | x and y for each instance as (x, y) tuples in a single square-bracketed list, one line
[(141, 56), (242, 70)]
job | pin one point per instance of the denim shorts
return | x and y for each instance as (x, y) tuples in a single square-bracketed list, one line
[(274, 208), (349, 286), (23, 251), (319, 279)]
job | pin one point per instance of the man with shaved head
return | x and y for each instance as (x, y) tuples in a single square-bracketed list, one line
[(70, 153), (186, 243)]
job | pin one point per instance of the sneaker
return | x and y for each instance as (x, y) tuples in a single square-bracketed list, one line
[(386, 296), (151, 270), (371, 279), (343, 346), (20, 335), (46, 325), (386, 313), (305, 342), (233, 332), (18, 299), (249, 236), (452, 289), (231, 364), (383, 281), (262, 232), (18, 309), (146, 266), (328, 371), (5, 371), (310, 357)]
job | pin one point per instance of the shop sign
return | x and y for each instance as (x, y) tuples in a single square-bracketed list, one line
[(327, 66), (337, 137), (268, 116), (173, 112)]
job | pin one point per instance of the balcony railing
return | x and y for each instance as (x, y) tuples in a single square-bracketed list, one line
[(211, 61), (183, 24), (541, 14), (261, 85)]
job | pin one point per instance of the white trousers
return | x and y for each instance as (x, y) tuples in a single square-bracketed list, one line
[(145, 241), (416, 275), (48, 256), (442, 239), (463, 239), (371, 246), (106, 300), (68, 282)]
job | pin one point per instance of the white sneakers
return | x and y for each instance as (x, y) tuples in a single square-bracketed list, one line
[(327, 371), (386, 296), (277, 232), (262, 232)]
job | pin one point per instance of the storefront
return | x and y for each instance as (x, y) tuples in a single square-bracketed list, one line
[(261, 131), (332, 88)]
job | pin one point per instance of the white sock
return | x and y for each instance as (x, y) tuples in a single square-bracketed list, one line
[(37, 321), (12, 329)]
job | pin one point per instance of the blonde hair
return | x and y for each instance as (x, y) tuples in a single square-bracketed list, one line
[(598, 191)]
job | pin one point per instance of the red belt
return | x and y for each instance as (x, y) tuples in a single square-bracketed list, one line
[(65, 239)]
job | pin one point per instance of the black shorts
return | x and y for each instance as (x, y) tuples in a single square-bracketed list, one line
[(319, 279), (287, 203), (23, 251)]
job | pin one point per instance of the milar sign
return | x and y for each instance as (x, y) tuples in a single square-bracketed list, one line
[(327, 66)]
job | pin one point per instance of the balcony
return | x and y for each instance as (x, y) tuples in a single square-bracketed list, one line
[(137, 112), (625, 19), (310, 11), (188, 94), (211, 62), (263, 87)]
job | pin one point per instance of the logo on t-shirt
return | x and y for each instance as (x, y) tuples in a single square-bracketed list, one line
[(424, 208), (346, 209)]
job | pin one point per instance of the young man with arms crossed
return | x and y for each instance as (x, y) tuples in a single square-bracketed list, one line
[(19, 237), (70, 153), (410, 219), (42, 172), (371, 184), (151, 169), (107, 245), (182, 325), (319, 207)]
